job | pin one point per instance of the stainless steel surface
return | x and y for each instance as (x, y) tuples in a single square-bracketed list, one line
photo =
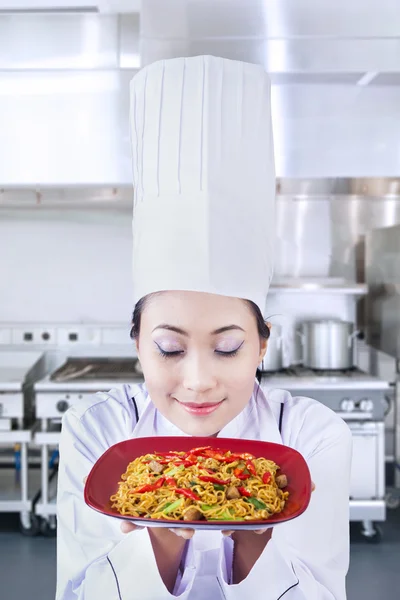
[(328, 344), (329, 73), (383, 300), (330, 285), (367, 510), (77, 377), (77, 66), (54, 41), (353, 217), (81, 369), (299, 33), (397, 434), (273, 359), (367, 480)]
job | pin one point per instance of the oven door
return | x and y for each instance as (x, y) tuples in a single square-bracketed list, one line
[(367, 479)]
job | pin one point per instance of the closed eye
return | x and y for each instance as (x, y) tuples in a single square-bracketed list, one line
[(231, 353), (175, 353), (169, 354)]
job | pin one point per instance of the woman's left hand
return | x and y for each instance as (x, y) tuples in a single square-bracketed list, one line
[(260, 531)]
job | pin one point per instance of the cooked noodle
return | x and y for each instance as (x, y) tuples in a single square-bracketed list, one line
[(170, 486)]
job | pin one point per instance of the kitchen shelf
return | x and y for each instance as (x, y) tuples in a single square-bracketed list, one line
[(318, 286)]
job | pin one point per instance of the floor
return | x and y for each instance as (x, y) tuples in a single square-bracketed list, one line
[(27, 565)]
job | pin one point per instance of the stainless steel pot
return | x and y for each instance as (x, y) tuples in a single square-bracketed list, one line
[(328, 344), (273, 359)]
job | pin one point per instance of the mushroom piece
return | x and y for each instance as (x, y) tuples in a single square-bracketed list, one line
[(232, 492), (156, 467), (193, 514), (281, 481)]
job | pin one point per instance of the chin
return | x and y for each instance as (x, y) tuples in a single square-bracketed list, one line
[(199, 428), (199, 431)]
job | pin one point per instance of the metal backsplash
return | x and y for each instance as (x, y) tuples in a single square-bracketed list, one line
[(322, 224), (383, 302)]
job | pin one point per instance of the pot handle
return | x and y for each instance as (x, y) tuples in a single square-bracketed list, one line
[(351, 337)]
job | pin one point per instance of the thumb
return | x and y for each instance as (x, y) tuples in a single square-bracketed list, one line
[(127, 527)]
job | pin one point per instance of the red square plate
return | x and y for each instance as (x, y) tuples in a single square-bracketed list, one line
[(106, 473)]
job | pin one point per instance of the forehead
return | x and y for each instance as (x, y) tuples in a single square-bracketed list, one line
[(191, 309)]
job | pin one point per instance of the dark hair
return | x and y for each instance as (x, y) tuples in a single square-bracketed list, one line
[(263, 329)]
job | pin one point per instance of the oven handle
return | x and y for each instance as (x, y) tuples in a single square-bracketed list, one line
[(364, 432), (365, 417)]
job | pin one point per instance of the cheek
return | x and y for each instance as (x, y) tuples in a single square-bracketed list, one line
[(160, 378)]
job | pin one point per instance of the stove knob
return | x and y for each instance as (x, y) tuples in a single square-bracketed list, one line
[(62, 406), (347, 405), (366, 405)]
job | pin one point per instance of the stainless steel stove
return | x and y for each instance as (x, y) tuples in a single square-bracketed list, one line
[(362, 401), (77, 377), (354, 394), (18, 370)]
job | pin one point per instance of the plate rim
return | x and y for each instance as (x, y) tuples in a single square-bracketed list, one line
[(213, 525)]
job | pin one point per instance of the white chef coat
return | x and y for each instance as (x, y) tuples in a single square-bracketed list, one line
[(306, 559)]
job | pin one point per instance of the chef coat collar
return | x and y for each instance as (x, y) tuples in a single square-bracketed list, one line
[(256, 421)]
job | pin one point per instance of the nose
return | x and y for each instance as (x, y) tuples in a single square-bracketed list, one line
[(198, 375)]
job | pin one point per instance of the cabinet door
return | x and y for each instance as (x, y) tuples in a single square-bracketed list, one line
[(365, 464)]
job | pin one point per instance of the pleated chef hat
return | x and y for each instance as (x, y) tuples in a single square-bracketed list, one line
[(204, 179)]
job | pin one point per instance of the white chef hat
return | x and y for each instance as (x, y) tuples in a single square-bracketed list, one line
[(204, 179)]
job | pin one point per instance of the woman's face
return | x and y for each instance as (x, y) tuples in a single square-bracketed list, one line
[(199, 354)]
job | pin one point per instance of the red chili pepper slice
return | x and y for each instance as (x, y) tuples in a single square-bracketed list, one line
[(187, 493), (251, 467), (170, 481), (200, 451), (266, 477), (243, 456), (185, 463), (150, 487), (214, 480), (244, 492), (218, 456), (240, 475)]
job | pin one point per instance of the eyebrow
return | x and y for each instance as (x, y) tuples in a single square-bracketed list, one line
[(183, 332)]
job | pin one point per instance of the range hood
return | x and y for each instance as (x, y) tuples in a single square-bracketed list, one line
[(64, 81), (334, 66), (64, 98)]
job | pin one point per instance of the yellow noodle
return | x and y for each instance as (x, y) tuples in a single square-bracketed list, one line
[(213, 503)]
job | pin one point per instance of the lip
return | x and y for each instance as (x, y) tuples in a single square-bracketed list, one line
[(200, 409)]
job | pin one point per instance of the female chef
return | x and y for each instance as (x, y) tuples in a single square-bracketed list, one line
[(203, 234)]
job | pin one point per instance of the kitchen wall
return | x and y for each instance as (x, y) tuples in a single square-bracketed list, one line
[(65, 265)]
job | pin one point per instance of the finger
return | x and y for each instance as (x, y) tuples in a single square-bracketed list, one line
[(85, 480), (228, 532), (187, 534), (261, 531), (127, 527), (312, 486)]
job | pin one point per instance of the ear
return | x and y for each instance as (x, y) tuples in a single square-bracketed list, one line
[(137, 346), (264, 344)]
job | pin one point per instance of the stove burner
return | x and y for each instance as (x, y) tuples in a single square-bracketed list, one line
[(84, 369)]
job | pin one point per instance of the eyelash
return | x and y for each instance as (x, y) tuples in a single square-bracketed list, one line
[(179, 352)]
